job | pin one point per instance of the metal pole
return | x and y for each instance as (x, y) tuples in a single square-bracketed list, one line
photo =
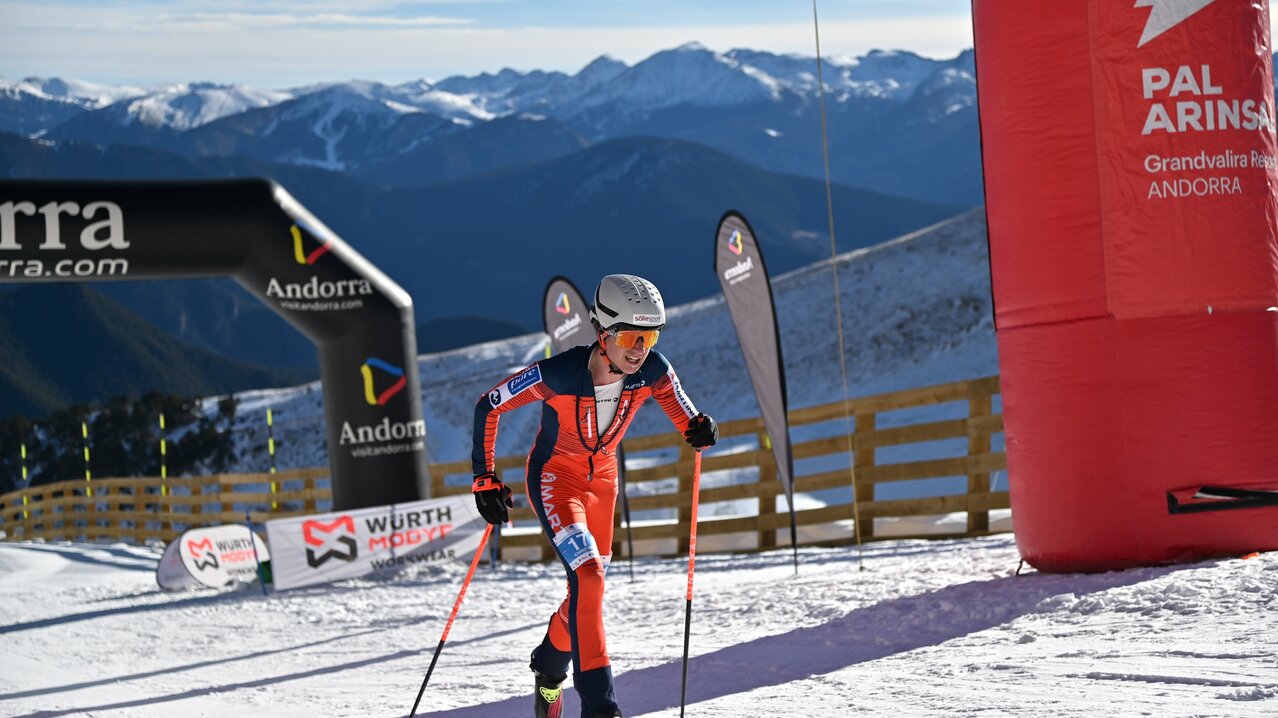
[(257, 560), (270, 447), (26, 484), (838, 297), (88, 475)]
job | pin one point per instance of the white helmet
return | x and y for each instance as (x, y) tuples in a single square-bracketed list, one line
[(624, 299)]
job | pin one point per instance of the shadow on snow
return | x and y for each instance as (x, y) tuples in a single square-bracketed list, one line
[(884, 629)]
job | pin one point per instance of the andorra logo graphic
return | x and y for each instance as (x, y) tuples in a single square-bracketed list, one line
[(371, 394), (320, 535), (561, 304), (299, 248), (734, 242), (202, 553)]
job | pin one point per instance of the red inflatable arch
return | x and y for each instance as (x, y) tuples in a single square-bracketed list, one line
[(1130, 173)]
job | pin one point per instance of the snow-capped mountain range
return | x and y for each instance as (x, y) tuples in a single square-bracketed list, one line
[(186, 106), (679, 93), (690, 74), (86, 95)]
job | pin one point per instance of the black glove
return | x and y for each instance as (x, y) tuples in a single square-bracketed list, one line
[(492, 498), (701, 432)]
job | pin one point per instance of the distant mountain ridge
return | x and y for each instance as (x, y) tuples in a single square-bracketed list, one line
[(98, 350), (762, 108), (471, 192), (486, 245)]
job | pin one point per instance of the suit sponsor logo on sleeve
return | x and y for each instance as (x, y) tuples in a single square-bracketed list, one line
[(524, 380), (494, 397), (683, 399)]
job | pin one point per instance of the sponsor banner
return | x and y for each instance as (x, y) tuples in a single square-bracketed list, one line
[(93, 229), (1185, 118), (382, 385), (567, 316), (1130, 158), (738, 261), (252, 231), (297, 288), (211, 557), (345, 544)]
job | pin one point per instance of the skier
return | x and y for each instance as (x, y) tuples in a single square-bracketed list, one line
[(589, 396)]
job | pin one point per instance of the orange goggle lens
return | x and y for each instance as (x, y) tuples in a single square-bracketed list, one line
[(628, 338)]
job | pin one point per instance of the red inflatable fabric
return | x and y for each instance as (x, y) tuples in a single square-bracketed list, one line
[(1131, 168)]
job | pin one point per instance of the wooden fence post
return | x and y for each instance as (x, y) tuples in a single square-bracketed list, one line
[(863, 459), (308, 486), (29, 524), (685, 486), (767, 499), (166, 505), (978, 443)]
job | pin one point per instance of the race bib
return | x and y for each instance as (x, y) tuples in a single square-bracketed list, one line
[(576, 545)]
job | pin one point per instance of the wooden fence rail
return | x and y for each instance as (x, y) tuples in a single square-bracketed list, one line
[(662, 483), (152, 508), (830, 461)]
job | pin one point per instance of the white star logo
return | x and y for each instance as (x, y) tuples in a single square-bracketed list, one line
[(1167, 14)]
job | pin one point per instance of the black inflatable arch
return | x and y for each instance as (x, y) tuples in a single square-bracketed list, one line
[(254, 231)]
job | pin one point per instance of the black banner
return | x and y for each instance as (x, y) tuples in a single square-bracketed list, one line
[(738, 262), (253, 231), (567, 316)]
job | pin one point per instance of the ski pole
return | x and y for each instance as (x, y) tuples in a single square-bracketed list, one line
[(261, 575), (692, 560), (483, 540)]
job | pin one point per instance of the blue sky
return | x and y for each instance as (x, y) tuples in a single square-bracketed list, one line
[(283, 43)]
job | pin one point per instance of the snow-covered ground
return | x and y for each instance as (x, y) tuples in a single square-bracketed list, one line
[(940, 628)]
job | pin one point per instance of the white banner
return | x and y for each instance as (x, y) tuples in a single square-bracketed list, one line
[(345, 544), (212, 557)]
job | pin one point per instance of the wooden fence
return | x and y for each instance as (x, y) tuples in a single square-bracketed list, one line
[(664, 483), (142, 509), (829, 461)]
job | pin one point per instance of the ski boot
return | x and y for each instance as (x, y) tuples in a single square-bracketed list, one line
[(548, 695), (609, 713)]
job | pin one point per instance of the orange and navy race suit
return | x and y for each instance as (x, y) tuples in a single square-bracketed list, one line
[(572, 484)]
